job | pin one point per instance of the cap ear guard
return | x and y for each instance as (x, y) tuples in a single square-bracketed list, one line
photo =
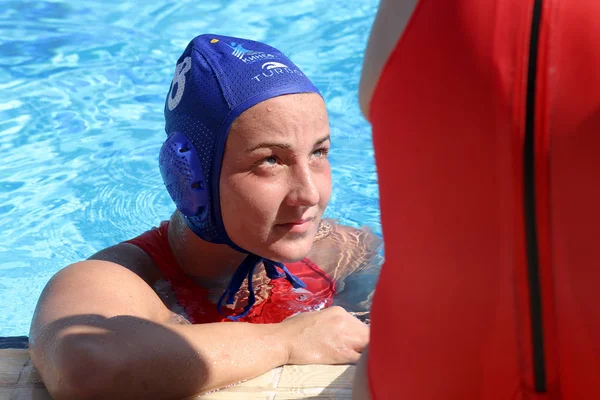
[(183, 176)]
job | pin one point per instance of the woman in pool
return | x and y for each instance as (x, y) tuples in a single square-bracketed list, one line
[(245, 161)]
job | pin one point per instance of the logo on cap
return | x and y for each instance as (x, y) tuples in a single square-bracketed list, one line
[(243, 54), (240, 51), (273, 64), (274, 69)]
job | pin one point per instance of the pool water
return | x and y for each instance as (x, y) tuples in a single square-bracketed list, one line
[(82, 90)]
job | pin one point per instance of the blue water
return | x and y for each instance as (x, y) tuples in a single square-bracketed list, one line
[(82, 89)]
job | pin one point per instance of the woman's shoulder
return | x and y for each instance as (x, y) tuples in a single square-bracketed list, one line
[(391, 20), (132, 255), (135, 258)]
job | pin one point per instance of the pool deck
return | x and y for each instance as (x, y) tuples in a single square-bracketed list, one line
[(20, 381)]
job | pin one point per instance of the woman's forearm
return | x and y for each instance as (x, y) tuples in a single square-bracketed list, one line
[(129, 357), (238, 351)]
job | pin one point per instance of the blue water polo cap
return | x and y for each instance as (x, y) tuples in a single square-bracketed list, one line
[(216, 79)]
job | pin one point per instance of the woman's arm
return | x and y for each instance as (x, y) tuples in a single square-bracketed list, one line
[(390, 22), (99, 331)]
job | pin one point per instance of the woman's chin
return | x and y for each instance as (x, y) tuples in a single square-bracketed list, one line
[(289, 252)]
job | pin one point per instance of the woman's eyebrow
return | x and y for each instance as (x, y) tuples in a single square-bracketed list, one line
[(268, 145), (321, 141), (284, 146)]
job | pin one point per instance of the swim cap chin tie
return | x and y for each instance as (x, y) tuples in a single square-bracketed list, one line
[(246, 270), (216, 79)]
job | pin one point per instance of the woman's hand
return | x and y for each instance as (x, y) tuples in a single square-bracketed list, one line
[(331, 336)]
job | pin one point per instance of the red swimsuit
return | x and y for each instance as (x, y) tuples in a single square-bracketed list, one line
[(282, 301), (486, 124)]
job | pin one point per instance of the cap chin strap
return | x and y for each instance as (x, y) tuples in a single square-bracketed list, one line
[(246, 270), (275, 270)]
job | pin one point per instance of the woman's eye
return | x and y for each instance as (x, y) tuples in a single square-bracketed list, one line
[(267, 162), (320, 153), (270, 161)]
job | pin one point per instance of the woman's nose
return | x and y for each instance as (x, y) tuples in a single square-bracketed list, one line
[(303, 188)]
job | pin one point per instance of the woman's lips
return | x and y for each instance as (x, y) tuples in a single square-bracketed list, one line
[(297, 226)]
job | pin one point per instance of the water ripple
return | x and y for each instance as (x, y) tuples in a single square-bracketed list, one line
[(82, 89)]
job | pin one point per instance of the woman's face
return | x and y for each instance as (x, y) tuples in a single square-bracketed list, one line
[(275, 179)]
